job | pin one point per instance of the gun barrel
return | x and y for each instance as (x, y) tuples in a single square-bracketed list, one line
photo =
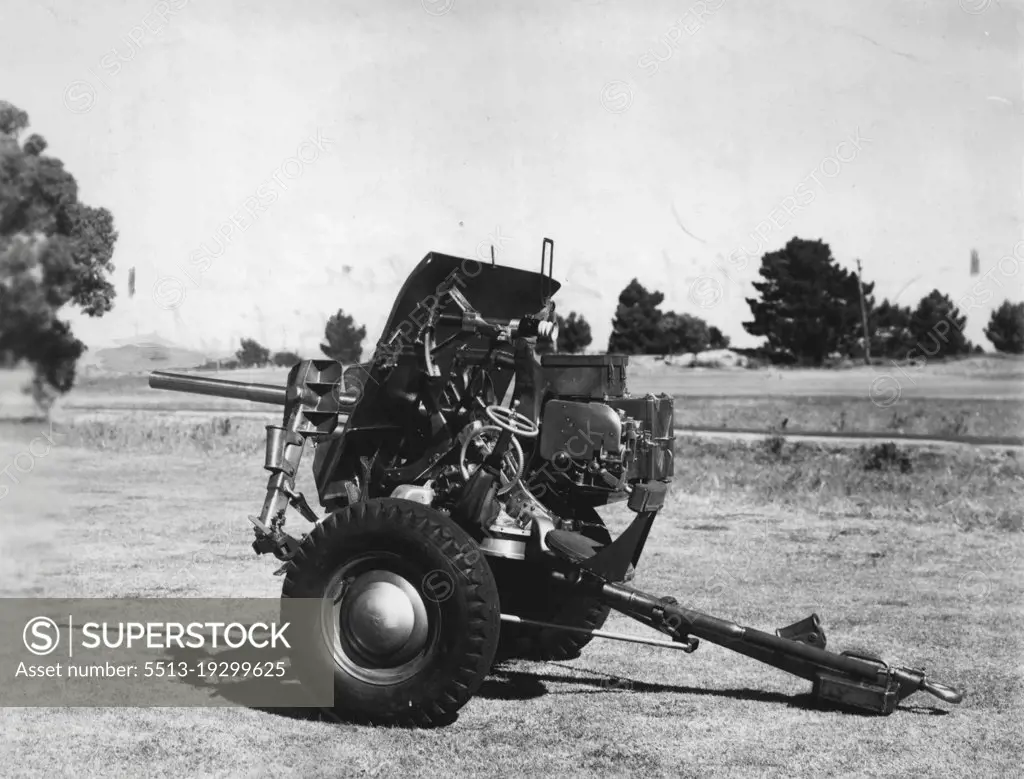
[(202, 385)]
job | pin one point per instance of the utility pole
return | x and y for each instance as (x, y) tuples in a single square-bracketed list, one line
[(864, 318)]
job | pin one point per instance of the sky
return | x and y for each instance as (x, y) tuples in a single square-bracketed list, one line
[(268, 163)]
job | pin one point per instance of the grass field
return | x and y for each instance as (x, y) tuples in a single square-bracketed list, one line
[(921, 558), (921, 416)]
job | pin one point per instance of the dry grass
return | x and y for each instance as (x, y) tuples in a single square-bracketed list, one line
[(140, 432), (912, 416), (971, 487), (760, 537)]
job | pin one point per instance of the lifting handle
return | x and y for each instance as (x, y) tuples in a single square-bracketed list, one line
[(547, 252)]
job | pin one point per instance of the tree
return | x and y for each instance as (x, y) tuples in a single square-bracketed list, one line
[(635, 327), (252, 354), (717, 339), (285, 359), (573, 333), (54, 251), (683, 333), (809, 307), (937, 328), (1006, 328), (890, 330), (573, 336), (343, 341)]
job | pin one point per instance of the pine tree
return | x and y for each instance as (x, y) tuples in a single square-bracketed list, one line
[(809, 307)]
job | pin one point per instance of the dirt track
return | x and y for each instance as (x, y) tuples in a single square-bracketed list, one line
[(844, 440)]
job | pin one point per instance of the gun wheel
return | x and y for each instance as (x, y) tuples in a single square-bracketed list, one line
[(532, 594), (409, 617)]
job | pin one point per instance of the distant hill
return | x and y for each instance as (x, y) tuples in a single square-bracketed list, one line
[(141, 354)]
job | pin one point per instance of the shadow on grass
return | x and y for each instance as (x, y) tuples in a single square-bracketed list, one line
[(502, 684), (254, 693), (247, 691), (510, 684)]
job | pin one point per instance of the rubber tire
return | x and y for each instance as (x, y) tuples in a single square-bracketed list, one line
[(529, 592), (469, 616)]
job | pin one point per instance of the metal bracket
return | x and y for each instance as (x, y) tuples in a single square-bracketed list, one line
[(806, 631), (612, 562), (298, 502), (275, 541), (672, 628)]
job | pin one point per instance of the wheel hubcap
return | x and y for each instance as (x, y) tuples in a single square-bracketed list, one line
[(381, 616), (382, 628)]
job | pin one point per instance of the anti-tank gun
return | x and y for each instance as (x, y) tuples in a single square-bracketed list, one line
[(461, 475)]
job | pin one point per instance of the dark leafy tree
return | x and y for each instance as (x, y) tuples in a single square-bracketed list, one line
[(285, 359), (937, 328), (683, 333), (635, 328), (717, 339), (573, 333), (252, 354), (573, 336), (1006, 328), (808, 306), (54, 252), (890, 330), (343, 341)]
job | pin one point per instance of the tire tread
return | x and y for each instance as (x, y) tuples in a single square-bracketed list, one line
[(475, 580)]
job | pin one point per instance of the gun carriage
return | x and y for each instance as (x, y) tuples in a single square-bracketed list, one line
[(459, 475)]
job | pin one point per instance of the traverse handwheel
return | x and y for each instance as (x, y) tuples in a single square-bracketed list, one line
[(513, 461), (512, 421)]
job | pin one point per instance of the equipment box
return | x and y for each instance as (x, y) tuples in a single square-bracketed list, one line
[(593, 376)]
